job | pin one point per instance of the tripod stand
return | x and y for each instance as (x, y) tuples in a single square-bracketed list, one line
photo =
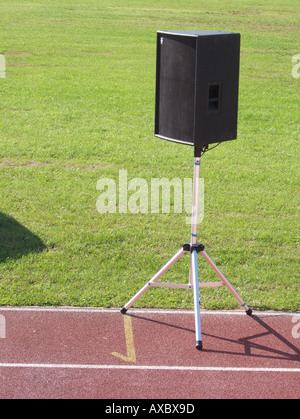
[(194, 248)]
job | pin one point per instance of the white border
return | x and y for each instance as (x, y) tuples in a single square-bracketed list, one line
[(173, 140)]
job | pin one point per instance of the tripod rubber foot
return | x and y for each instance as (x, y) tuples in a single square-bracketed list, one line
[(249, 312), (199, 345), (123, 310)]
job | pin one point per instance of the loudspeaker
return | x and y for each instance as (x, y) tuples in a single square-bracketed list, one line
[(197, 83)]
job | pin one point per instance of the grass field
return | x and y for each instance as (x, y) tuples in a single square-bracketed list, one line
[(77, 105)]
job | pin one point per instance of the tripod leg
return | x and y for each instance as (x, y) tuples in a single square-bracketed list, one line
[(227, 283), (154, 279), (196, 299)]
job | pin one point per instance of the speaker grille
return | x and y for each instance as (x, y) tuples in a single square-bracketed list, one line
[(176, 87)]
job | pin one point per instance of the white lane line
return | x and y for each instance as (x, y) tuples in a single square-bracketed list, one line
[(147, 367), (142, 311)]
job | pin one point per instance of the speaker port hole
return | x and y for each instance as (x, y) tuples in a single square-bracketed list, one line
[(214, 100)]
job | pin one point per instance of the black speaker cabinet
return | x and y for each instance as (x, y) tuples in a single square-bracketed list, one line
[(197, 80)]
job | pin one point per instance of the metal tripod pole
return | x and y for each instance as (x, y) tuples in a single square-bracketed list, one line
[(194, 254)]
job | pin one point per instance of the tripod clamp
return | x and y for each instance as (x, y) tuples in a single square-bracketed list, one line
[(187, 247)]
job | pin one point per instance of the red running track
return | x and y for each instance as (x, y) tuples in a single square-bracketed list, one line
[(74, 353)]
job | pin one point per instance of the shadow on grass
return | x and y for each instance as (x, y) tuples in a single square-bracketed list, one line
[(16, 240)]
